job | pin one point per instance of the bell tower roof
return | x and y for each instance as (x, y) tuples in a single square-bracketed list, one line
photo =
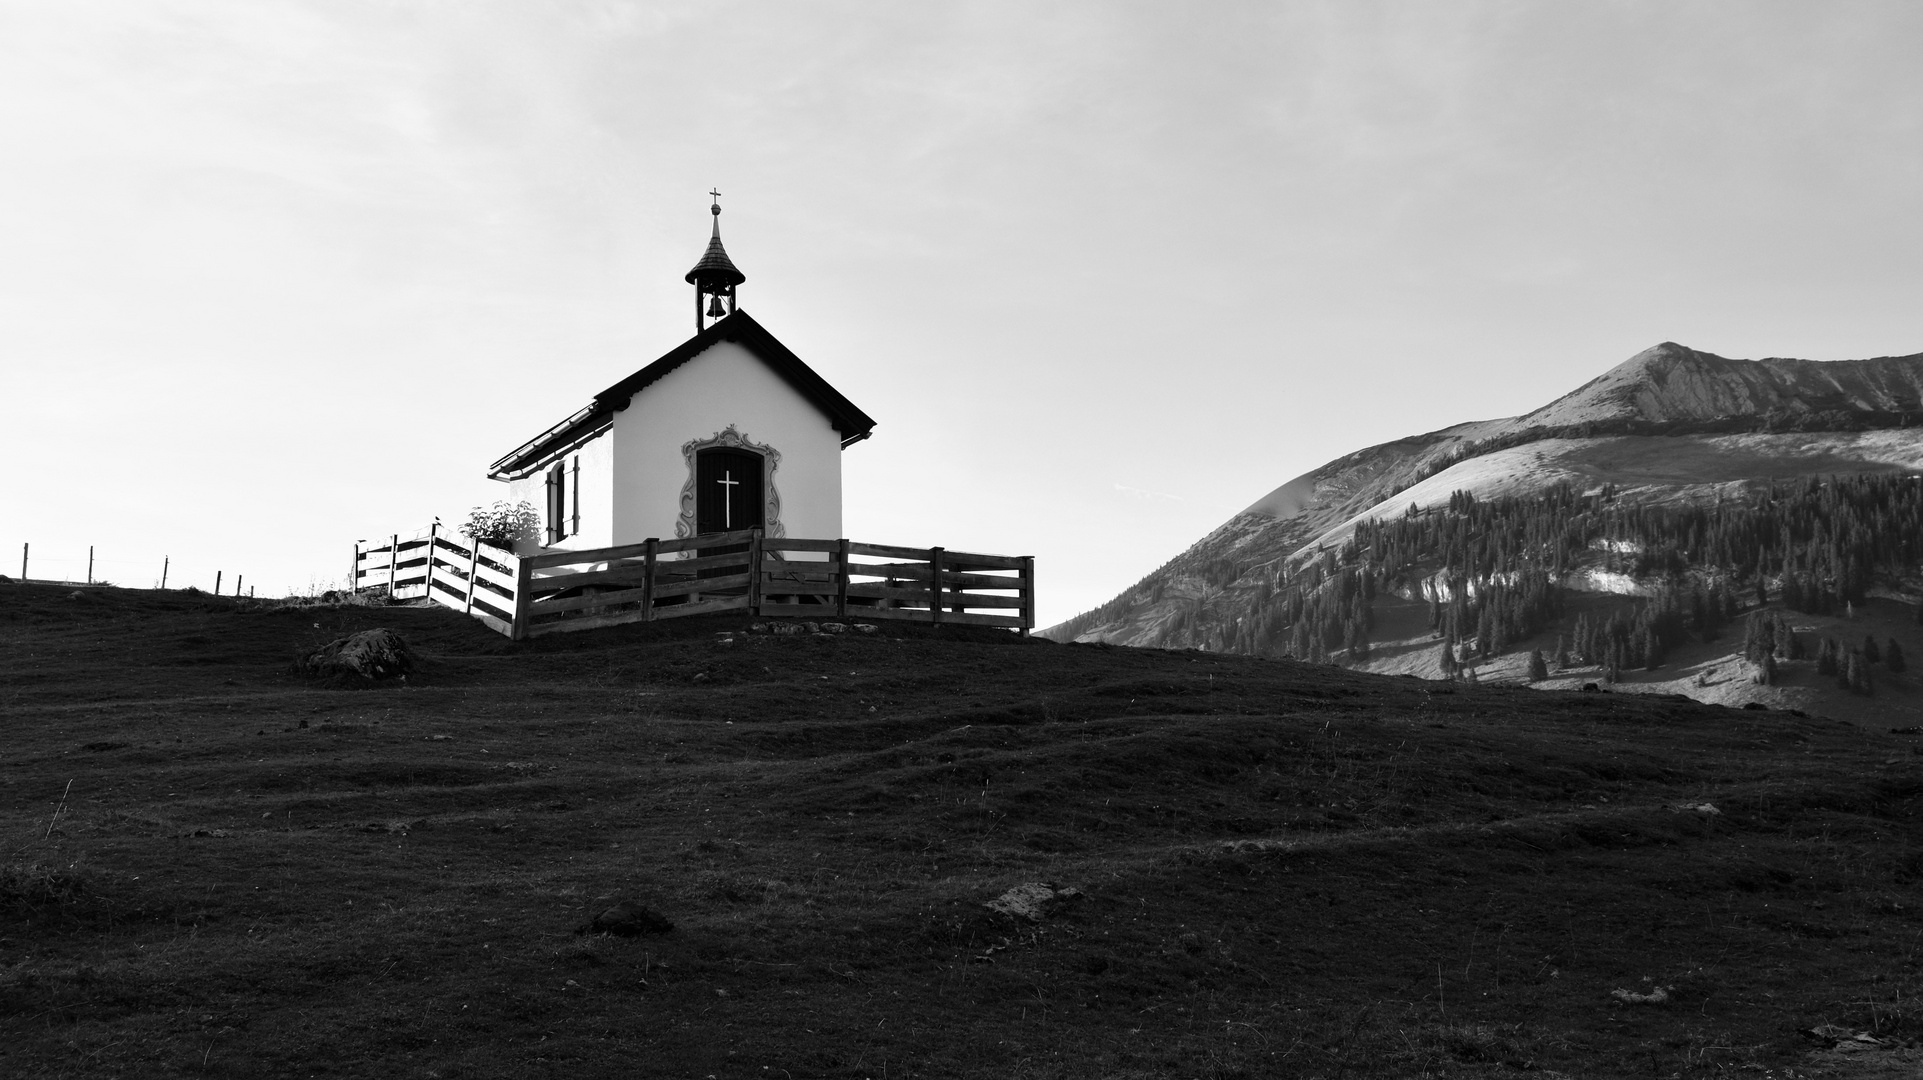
[(715, 267)]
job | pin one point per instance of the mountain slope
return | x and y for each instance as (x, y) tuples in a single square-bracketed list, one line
[(1671, 426)]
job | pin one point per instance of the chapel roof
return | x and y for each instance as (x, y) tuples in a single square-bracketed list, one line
[(595, 417)]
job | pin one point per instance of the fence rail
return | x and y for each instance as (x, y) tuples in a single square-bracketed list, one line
[(560, 591)]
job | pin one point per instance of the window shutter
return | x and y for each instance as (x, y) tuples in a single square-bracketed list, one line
[(575, 520), (554, 518)]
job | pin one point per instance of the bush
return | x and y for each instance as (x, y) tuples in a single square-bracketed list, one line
[(504, 524)]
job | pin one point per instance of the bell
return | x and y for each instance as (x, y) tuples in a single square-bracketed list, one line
[(714, 307)]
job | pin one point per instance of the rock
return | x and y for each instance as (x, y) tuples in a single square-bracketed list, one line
[(1035, 900), (1591, 688), (627, 919), (833, 628), (371, 654), (786, 628), (330, 597), (757, 628), (812, 628), (1657, 996), (865, 628)]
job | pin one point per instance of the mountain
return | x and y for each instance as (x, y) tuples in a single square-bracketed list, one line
[(1670, 433)]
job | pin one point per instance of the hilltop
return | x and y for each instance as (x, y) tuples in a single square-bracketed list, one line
[(1286, 869), (1672, 432)]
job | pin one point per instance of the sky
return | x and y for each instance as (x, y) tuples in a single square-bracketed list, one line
[(279, 276)]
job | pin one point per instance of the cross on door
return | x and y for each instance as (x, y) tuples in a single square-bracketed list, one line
[(728, 484)]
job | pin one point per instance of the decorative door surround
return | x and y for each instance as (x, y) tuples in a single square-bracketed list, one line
[(734, 440)]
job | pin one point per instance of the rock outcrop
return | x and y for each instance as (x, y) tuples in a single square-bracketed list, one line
[(371, 654)]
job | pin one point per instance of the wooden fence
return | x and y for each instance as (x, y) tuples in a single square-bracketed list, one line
[(558, 591)]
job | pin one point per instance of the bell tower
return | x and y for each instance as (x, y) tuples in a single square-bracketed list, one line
[(714, 277)]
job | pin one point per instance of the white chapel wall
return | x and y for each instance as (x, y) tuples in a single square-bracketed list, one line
[(725, 385), (596, 492)]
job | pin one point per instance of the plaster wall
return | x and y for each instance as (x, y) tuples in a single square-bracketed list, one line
[(596, 488), (725, 385)]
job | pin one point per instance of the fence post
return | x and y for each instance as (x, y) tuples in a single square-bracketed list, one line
[(238, 578), (754, 572), (393, 560), (90, 564), (23, 561), (1028, 594), (473, 571), (217, 574), (523, 584), (354, 572), (647, 580), (427, 583), (165, 561), (934, 584), (841, 578)]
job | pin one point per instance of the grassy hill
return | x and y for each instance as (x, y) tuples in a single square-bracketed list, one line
[(1289, 869)]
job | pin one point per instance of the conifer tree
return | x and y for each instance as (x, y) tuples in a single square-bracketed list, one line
[(1766, 670), (1893, 656), (1826, 657), (1446, 660), (1538, 667), (1871, 652), (1848, 671), (1860, 675)]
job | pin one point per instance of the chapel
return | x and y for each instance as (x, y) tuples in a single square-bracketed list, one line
[(729, 430)]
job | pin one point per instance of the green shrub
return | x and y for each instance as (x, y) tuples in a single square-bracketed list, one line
[(503, 524)]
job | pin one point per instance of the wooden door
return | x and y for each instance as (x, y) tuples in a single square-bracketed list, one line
[(727, 491)]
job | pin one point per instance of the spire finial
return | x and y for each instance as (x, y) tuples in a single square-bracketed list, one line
[(715, 209)]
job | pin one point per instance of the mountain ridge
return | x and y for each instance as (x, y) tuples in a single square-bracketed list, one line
[(1670, 426)]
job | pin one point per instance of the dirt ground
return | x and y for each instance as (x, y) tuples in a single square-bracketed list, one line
[(214, 866)]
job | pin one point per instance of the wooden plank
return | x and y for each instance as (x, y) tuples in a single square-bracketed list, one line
[(473, 566), (900, 614), (979, 600), (934, 583), (704, 562), (1028, 594), (1007, 622), (720, 539), (789, 543), (884, 551), (500, 614), (700, 585), (922, 572), (841, 576), (501, 579), (596, 622), (393, 547), (626, 574), (499, 626), (647, 582), (754, 560), (976, 561), (868, 590), (449, 592), (705, 607), (809, 571), (799, 588), (915, 571), (433, 531), (578, 603), (798, 611), (523, 576)]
